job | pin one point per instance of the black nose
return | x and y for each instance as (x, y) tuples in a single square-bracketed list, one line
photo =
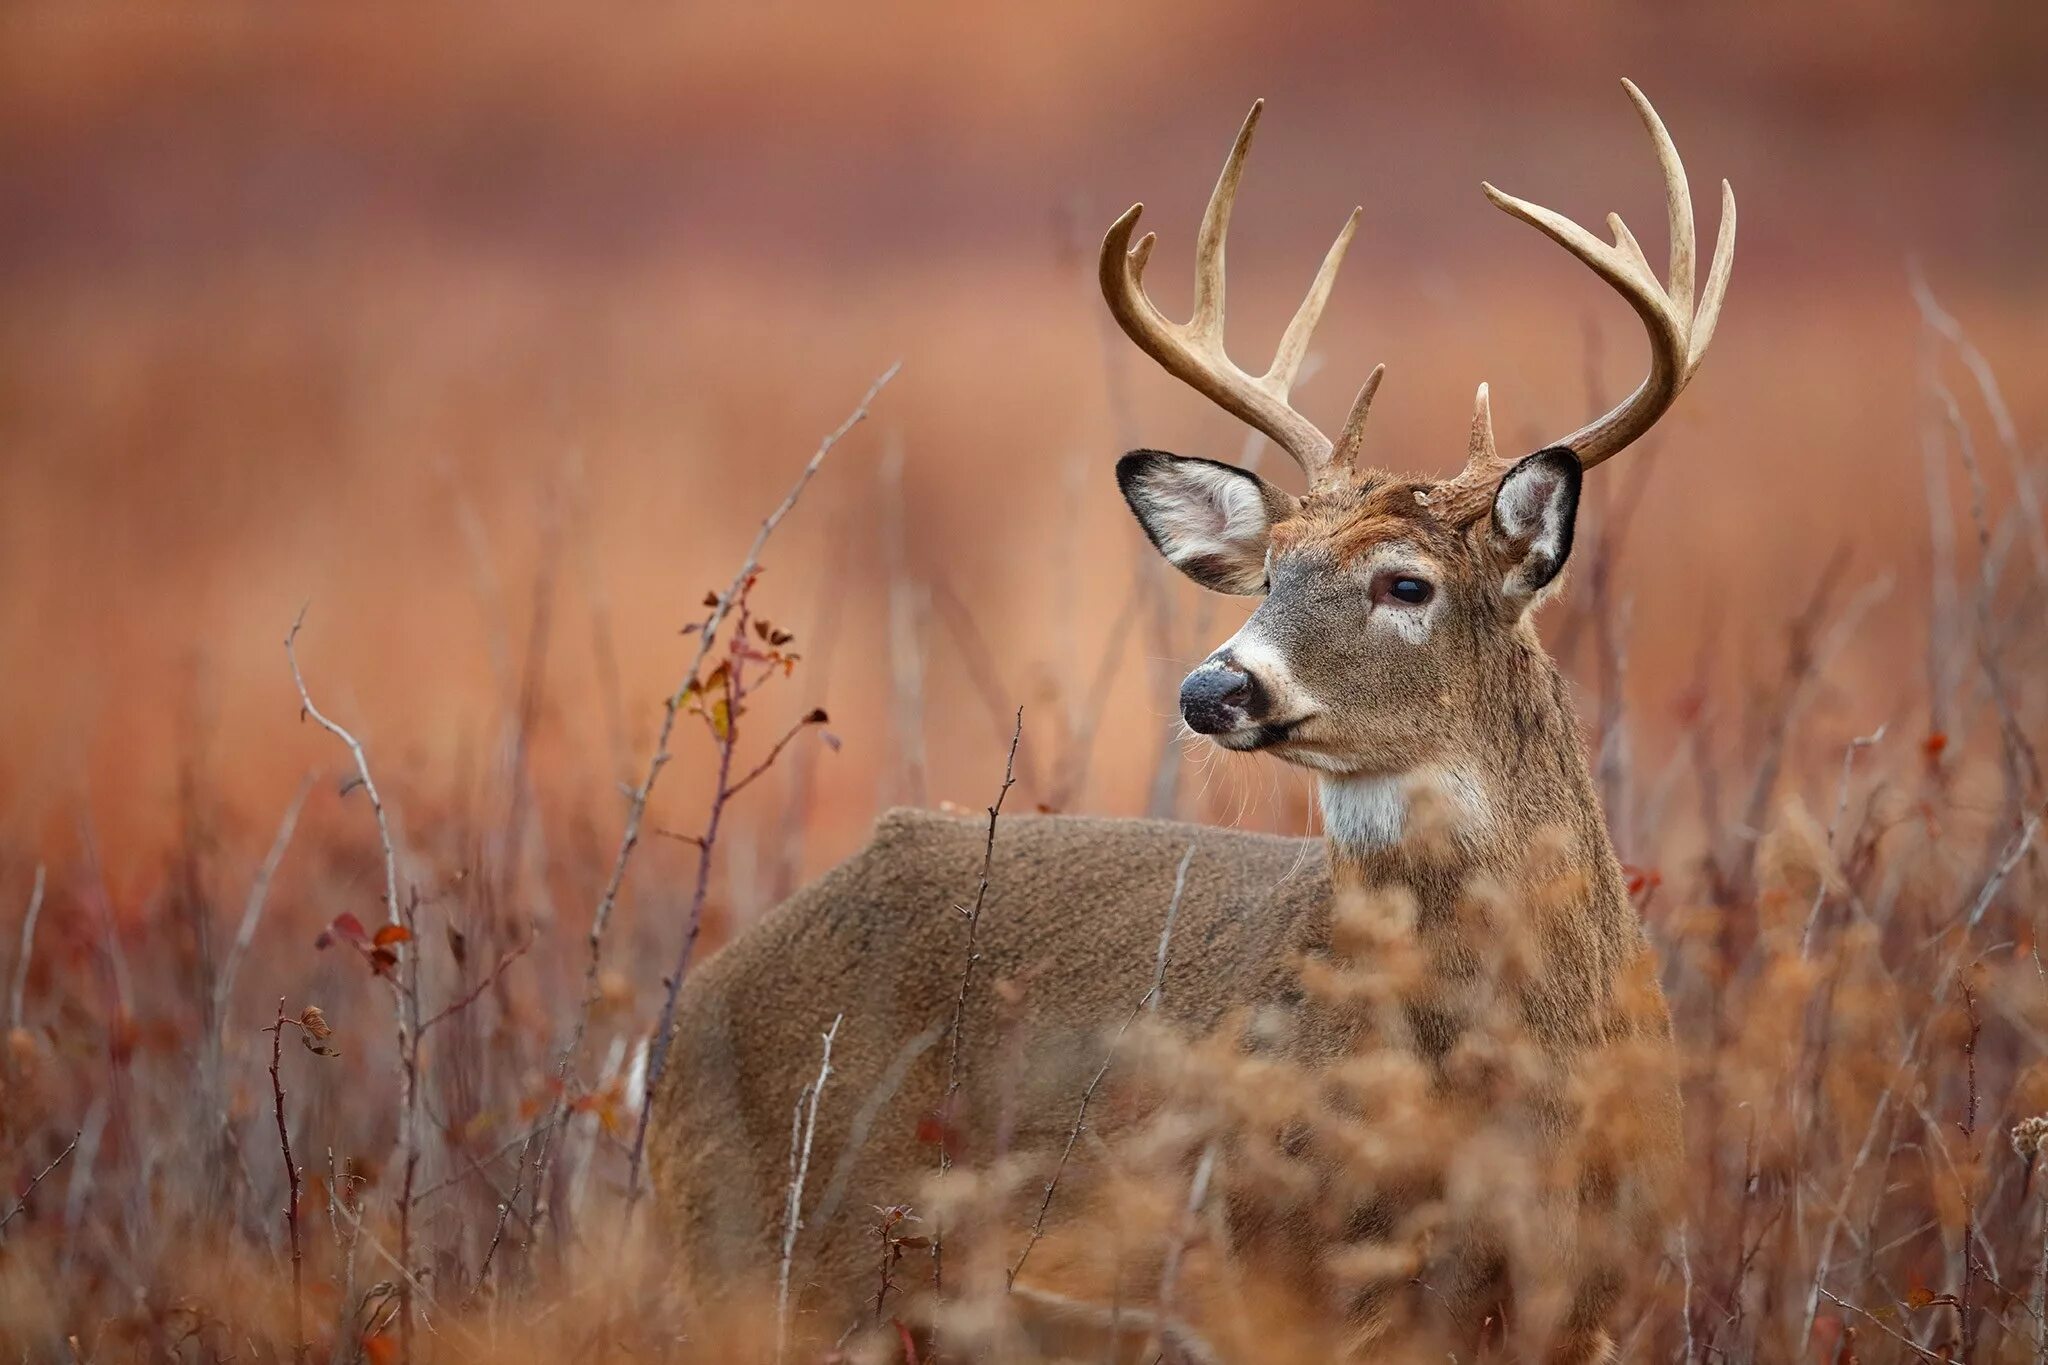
[(1216, 697)]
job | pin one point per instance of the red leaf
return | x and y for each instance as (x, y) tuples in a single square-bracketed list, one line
[(382, 960), (817, 716), (345, 928), (391, 933)]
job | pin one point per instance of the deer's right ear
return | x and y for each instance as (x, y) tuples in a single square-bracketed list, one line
[(1210, 520)]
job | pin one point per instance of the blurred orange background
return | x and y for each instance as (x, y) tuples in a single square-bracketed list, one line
[(492, 337)]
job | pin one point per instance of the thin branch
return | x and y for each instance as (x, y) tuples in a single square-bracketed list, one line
[(405, 986), (1074, 1136), (1180, 885), (2014, 852), (22, 1202), (957, 1031), (355, 749), (291, 1171), (506, 959), (1849, 752), (812, 718), (636, 806), (1879, 1323), (800, 1168), (259, 893), (28, 947), (636, 801)]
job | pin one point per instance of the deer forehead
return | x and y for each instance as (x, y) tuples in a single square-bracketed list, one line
[(1363, 526)]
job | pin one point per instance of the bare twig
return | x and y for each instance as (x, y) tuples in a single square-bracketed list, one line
[(800, 1169), (636, 801), (957, 1031), (469, 997), (2015, 851), (1074, 1135), (28, 947), (1180, 886), (259, 892), (1198, 1192), (1915, 1347), (734, 687), (30, 1189), (291, 1171), (405, 987), (1849, 752), (636, 805), (1944, 324)]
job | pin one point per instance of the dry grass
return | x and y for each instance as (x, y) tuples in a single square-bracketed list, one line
[(1847, 930)]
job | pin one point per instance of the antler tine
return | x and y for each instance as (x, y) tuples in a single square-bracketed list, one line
[(1193, 351), (1679, 333), (1352, 438), (1294, 341)]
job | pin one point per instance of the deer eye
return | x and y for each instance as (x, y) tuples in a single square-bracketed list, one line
[(1407, 590)]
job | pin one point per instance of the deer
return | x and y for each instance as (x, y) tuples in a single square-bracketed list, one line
[(1392, 653)]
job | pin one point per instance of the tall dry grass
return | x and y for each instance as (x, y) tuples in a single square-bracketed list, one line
[(1844, 887)]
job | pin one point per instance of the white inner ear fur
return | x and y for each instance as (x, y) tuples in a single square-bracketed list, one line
[(1371, 813), (1202, 512), (1533, 509)]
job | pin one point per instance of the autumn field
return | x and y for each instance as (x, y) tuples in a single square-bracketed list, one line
[(400, 701)]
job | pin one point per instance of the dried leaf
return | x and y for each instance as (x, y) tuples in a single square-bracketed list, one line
[(382, 960), (779, 638), (817, 716), (711, 598), (721, 719), (343, 928), (458, 946), (391, 933), (314, 1023)]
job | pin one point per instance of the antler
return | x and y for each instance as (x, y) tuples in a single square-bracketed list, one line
[(1192, 351), (1679, 333)]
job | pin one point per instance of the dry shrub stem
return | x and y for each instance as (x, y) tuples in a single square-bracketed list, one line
[(806, 1120), (1052, 1182), (37, 1179), (957, 1031), (291, 1171), (636, 802), (404, 984), (19, 991)]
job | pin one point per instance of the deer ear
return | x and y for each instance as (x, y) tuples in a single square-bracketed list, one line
[(1212, 521), (1533, 512)]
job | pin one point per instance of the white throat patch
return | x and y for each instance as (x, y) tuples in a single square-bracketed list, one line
[(1368, 814)]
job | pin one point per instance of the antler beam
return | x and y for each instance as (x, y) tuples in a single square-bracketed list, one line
[(1679, 333), (1193, 351)]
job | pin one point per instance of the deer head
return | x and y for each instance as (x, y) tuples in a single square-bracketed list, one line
[(1395, 608)]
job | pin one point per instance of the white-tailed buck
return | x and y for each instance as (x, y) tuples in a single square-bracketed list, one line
[(1393, 654)]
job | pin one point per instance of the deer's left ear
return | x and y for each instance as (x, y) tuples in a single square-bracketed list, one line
[(1533, 513)]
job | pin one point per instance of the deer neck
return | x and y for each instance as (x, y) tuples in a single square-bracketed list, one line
[(1517, 781)]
